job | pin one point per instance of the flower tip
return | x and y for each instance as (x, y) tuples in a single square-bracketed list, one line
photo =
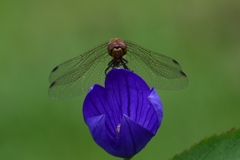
[(91, 88)]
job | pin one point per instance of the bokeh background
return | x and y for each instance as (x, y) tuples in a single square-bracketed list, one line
[(35, 36)]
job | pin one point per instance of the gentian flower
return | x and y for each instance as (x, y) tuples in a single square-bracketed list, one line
[(123, 116)]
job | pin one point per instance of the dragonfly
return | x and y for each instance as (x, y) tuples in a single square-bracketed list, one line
[(75, 76)]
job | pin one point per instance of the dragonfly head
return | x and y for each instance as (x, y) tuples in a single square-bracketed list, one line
[(117, 48)]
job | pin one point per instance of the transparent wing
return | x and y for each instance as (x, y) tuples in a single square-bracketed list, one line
[(75, 76), (156, 69), (77, 62)]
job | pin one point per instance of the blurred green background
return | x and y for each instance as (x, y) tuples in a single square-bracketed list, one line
[(35, 36)]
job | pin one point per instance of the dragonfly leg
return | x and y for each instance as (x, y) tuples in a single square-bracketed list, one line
[(124, 62), (107, 70), (110, 64)]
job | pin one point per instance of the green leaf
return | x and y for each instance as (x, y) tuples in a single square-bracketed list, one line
[(225, 146)]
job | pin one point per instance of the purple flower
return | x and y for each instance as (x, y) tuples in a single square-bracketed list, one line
[(123, 116)]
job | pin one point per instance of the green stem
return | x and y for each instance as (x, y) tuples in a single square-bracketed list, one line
[(126, 158)]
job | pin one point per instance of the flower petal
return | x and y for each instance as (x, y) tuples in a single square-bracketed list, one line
[(97, 128), (98, 103), (131, 139), (157, 104), (130, 93)]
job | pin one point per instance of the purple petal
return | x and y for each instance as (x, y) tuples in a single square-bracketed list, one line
[(98, 103), (131, 139), (157, 104), (123, 116), (97, 128)]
